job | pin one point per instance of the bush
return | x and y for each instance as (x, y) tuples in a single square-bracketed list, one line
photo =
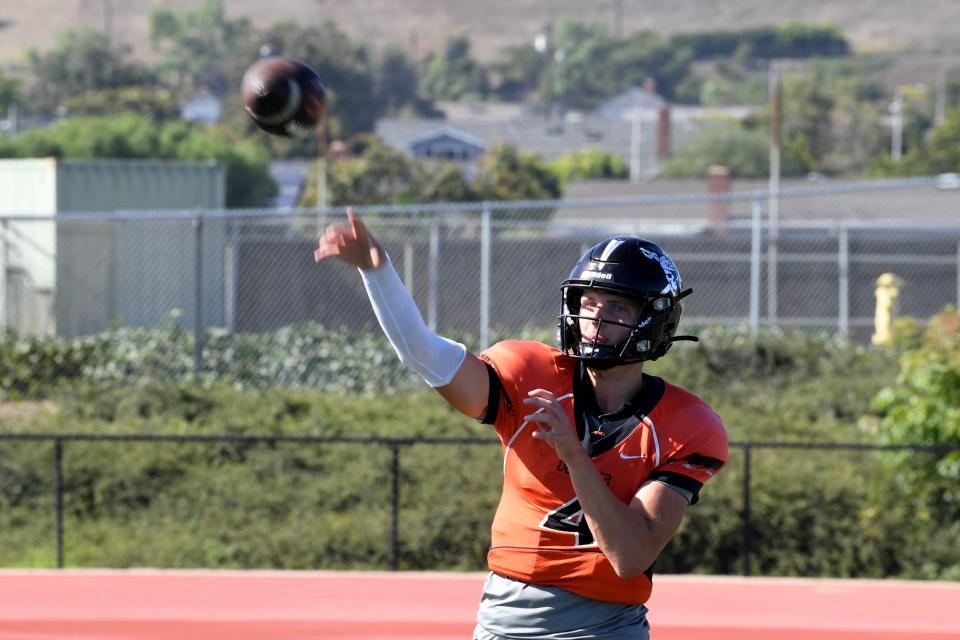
[(590, 164), (923, 407), (301, 505), (134, 136)]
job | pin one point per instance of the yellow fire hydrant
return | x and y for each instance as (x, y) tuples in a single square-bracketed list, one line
[(888, 298)]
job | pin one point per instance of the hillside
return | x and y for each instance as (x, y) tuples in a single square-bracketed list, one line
[(421, 25)]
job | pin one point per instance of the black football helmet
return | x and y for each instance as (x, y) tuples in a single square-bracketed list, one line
[(638, 269)]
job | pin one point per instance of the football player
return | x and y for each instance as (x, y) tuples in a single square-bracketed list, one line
[(600, 460)]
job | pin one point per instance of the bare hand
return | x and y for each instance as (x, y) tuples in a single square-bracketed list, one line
[(351, 243), (556, 428)]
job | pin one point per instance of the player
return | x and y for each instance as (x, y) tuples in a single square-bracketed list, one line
[(600, 460)]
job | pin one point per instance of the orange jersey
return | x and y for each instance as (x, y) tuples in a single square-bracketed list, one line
[(539, 534)]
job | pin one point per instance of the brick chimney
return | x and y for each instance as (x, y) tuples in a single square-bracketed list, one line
[(718, 211), (663, 134)]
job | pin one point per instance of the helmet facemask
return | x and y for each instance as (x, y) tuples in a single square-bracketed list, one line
[(649, 337)]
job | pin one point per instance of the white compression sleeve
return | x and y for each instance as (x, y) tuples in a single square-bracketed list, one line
[(434, 358)]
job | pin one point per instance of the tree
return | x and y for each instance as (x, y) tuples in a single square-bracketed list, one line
[(159, 104), (9, 92), (789, 40), (646, 55), (517, 73), (395, 81), (124, 136), (82, 61), (580, 72), (505, 173), (452, 73), (923, 407), (198, 45), (249, 183), (381, 175), (135, 136), (830, 124), (942, 153), (443, 182), (589, 164), (856, 135), (746, 152)]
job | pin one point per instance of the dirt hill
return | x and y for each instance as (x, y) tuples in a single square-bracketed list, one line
[(421, 25)]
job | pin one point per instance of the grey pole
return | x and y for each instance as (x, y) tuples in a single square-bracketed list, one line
[(58, 499), (408, 266), (230, 285), (843, 284), (756, 239), (776, 99), (745, 528), (198, 293), (4, 234), (434, 272), (485, 265)]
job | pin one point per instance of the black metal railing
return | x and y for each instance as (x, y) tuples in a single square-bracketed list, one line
[(395, 445)]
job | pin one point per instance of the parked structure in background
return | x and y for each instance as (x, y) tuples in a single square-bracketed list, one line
[(291, 179), (639, 126), (202, 107), (68, 273)]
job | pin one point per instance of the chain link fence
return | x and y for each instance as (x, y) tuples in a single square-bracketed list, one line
[(242, 280), (805, 258), (756, 524)]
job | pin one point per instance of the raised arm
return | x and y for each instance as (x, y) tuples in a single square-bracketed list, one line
[(458, 376)]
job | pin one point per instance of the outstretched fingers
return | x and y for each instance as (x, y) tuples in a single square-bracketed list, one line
[(358, 228)]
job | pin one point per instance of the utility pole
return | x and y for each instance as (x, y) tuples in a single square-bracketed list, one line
[(636, 142), (543, 44), (617, 18), (4, 261), (322, 199), (776, 125), (940, 101), (896, 124), (108, 21)]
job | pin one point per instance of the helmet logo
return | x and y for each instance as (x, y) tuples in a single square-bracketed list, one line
[(596, 274), (669, 270)]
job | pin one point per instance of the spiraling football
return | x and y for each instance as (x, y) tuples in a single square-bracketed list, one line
[(284, 97)]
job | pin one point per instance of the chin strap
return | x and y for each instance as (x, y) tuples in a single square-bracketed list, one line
[(680, 296)]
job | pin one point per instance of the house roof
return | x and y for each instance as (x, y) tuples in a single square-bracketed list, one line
[(870, 200), (548, 138), (445, 131), (552, 137), (633, 98)]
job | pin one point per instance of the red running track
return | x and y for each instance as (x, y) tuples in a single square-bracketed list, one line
[(247, 605)]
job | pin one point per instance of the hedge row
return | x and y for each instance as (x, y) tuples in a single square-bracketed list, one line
[(328, 506)]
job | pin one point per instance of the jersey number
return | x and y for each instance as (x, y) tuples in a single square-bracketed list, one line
[(569, 518)]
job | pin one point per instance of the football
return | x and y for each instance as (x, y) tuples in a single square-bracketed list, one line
[(284, 97)]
